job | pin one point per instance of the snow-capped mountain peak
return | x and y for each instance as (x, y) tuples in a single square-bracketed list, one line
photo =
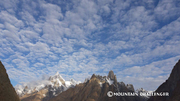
[(57, 80), (56, 76), (55, 84), (57, 73)]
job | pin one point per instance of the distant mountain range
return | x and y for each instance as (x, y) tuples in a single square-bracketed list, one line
[(97, 88), (53, 88)]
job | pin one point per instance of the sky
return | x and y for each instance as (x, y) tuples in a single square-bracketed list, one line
[(138, 39)]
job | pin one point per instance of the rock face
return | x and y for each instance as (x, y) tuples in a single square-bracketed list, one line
[(171, 85), (111, 75), (96, 89), (7, 92)]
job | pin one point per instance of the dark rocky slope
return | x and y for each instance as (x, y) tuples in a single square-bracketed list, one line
[(171, 85), (7, 92)]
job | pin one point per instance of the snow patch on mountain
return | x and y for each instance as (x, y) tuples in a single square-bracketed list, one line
[(109, 81), (55, 84)]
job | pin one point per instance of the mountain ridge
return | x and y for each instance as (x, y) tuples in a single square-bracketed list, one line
[(96, 89), (98, 85)]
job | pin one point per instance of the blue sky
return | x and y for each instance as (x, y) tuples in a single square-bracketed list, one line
[(138, 39)]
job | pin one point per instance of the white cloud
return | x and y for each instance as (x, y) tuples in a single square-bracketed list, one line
[(105, 10), (52, 11), (166, 10), (38, 65), (9, 4), (9, 18), (29, 19), (28, 35)]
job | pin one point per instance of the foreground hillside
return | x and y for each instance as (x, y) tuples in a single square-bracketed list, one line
[(7, 92), (171, 85)]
